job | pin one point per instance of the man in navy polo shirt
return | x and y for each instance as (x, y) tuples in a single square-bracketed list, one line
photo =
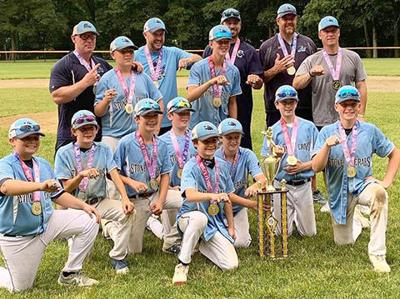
[(244, 56)]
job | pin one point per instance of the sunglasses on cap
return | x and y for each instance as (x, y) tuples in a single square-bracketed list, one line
[(83, 119), (222, 33), (286, 93), (27, 128), (182, 104), (230, 13), (149, 106), (348, 94)]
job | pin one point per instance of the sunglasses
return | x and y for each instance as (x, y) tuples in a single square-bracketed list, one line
[(230, 13), (28, 128), (83, 119), (86, 36), (126, 51), (149, 106), (287, 93), (181, 104), (348, 94)]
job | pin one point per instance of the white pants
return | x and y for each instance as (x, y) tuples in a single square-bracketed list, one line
[(242, 229), (300, 210), (375, 197), (218, 249), (163, 227), (22, 255)]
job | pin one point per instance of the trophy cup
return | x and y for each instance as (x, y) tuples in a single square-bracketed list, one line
[(269, 164)]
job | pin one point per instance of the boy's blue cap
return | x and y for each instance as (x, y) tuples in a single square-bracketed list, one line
[(220, 32), (82, 118), (204, 130), (346, 93), (146, 106), (286, 9), (179, 104), (121, 42), (286, 92), (83, 27), (230, 125), (24, 127), (328, 22), (230, 13), (153, 25)]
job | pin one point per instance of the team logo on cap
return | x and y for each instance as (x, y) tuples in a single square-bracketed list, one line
[(208, 128), (231, 123), (86, 25)]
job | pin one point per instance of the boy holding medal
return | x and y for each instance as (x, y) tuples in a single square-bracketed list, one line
[(119, 90), (144, 164), (82, 166), (214, 82), (296, 136), (241, 161), (28, 222), (345, 150), (206, 211)]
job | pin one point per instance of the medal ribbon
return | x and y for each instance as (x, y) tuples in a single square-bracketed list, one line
[(129, 93), (31, 175), (151, 164), (155, 71), (206, 175), (349, 154), (283, 45), (290, 141), (232, 58), (217, 89), (82, 61), (77, 151), (335, 72), (181, 157), (232, 170)]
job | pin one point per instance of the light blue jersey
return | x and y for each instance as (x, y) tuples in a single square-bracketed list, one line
[(65, 168), (174, 179), (192, 178), (370, 140), (204, 108), (16, 218), (131, 162), (116, 122), (306, 137), (167, 79), (247, 163)]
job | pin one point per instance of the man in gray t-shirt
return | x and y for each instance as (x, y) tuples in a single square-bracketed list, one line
[(329, 69)]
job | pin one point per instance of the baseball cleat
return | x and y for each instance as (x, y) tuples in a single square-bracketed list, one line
[(76, 279), (180, 275)]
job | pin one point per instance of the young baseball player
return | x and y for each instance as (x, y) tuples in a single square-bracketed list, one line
[(214, 82), (28, 222), (241, 162), (345, 150), (206, 211), (144, 164), (82, 166), (297, 137), (119, 90)]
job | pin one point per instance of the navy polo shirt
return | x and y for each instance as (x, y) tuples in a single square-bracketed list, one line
[(67, 71)]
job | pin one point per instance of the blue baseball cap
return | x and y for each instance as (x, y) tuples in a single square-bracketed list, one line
[(153, 25), (286, 92), (204, 130), (328, 22), (24, 127), (346, 93), (230, 125), (179, 104), (121, 42), (83, 27), (146, 106), (286, 9), (219, 32), (230, 13), (83, 118)]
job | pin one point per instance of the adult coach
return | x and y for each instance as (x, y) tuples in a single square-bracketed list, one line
[(281, 56), (244, 56), (327, 70), (73, 77), (161, 63)]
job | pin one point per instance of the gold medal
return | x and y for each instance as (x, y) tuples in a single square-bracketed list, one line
[(154, 184), (351, 171), (129, 108), (291, 70), (36, 208), (213, 209), (179, 173), (336, 84), (156, 83), (291, 160), (217, 102)]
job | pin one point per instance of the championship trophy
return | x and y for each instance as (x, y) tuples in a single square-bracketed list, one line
[(267, 222)]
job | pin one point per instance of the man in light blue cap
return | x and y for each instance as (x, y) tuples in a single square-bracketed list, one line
[(345, 149), (161, 63)]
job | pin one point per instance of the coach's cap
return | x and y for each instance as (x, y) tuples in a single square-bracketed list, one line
[(83, 27), (230, 13), (346, 93), (230, 125), (219, 32), (204, 130), (83, 118), (24, 127), (121, 42), (179, 104), (286, 92), (328, 22), (153, 25), (146, 106), (286, 9)]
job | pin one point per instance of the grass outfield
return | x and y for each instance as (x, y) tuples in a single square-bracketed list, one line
[(316, 267), (31, 69)]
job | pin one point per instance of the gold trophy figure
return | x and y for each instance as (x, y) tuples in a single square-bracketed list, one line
[(270, 163)]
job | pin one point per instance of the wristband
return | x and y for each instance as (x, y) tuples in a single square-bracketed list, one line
[(309, 72)]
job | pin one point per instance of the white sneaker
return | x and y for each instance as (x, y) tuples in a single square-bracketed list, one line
[(379, 263), (76, 279), (180, 275)]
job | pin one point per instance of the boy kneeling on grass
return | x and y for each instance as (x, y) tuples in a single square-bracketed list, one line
[(28, 222), (206, 211)]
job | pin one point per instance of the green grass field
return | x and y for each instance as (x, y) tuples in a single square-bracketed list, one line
[(316, 267)]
